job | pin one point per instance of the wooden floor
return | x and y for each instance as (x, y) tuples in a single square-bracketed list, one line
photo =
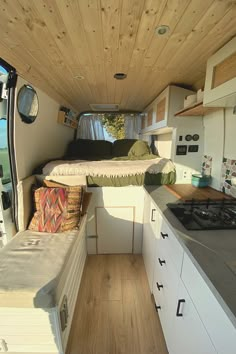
[(115, 313)]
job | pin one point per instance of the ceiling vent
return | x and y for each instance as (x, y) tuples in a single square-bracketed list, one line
[(104, 107)]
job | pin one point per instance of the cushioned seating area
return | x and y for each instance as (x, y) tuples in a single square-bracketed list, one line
[(28, 276), (34, 265)]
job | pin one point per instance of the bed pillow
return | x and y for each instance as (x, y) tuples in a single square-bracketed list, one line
[(57, 209), (140, 148), (87, 149), (122, 147)]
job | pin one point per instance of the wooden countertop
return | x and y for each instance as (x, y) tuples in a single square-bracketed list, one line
[(188, 192)]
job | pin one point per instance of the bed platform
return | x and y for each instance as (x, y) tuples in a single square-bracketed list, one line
[(105, 173), (104, 164)]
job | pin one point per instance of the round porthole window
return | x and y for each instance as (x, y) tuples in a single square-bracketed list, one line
[(27, 104)]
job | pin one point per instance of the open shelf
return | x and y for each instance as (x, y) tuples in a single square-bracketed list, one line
[(197, 109), (67, 121)]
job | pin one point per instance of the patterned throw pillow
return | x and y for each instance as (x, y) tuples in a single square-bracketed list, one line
[(86, 195), (57, 209)]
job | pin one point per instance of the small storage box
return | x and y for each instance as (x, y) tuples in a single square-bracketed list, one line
[(200, 180)]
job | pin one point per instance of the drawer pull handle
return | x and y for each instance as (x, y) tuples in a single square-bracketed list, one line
[(161, 261), (178, 313), (159, 286), (157, 308), (164, 235), (153, 216)]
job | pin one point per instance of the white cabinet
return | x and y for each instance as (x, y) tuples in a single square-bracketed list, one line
[(160, 113), (115, 220), (183, 330), (220, 84), (218, 325), (192, 320), (150, 230), (115, 229), (189, 335)]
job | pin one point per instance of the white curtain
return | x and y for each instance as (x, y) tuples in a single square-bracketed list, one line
[(132, 126), (90, 127)]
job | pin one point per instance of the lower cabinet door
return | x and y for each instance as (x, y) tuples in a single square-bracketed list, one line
[(115, 229), (189, 333)]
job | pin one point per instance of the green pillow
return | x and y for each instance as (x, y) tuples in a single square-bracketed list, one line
[(140, 148)]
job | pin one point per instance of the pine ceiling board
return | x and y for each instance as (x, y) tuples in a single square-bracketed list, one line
[(131, 12), (63, 42), (209, 20), (33, 33), (228, 22), (171, 16), (11, 25), (110, 17), (130, 17), (49, 42), (90, 11), (192, 15), (189, 64), (68, 9), (150, 16), (176, 70)]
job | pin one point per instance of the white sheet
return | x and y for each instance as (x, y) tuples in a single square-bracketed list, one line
[(108, 168)]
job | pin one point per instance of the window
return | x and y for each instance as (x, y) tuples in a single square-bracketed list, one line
[(4, 158)]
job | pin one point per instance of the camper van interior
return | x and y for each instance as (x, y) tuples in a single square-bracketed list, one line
[(118, 176)]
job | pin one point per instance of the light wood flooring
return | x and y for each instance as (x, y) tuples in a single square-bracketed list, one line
[(115, 313)]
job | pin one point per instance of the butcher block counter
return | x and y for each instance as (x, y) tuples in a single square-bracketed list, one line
[(189, 192)]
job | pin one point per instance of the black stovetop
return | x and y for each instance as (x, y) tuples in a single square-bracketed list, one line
[(206, 215)]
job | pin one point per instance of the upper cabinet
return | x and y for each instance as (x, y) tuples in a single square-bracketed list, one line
[(161, 112), (220, 84)]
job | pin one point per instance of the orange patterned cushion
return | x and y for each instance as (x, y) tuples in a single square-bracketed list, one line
[(57, 209)]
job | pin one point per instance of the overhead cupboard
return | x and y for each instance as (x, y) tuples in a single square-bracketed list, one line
[(161, 112), (192, 320), (220, 83)]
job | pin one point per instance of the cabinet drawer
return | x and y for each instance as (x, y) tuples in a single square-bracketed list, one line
[(171, 247), (165, 278), (216, 322)]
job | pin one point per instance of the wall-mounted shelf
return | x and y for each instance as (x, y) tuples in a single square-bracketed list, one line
[(64, 119), (197, 109)]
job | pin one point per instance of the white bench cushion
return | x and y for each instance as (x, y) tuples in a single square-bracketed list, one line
[(31, 267)]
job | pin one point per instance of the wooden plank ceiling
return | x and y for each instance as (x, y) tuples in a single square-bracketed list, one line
[(49, 42)]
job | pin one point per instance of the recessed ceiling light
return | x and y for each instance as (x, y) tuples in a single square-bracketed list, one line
[(120, 76), (162, 30), (79, 77)]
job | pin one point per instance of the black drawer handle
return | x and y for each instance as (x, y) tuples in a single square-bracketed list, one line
[(152, 216), (164, 235), (178, 313), (159, 286), (157, 308), (161, 261)]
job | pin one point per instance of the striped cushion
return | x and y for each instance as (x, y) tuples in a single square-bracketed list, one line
[(57, 209)]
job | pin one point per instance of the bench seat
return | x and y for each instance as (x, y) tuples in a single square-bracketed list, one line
[(33, 268)]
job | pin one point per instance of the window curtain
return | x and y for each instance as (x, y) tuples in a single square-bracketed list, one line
[(132, 126), (90, 127)]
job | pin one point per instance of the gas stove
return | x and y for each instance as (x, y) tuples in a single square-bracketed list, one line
[(206, 215)]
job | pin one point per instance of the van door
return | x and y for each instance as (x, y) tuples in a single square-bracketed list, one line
[(7, 226)]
